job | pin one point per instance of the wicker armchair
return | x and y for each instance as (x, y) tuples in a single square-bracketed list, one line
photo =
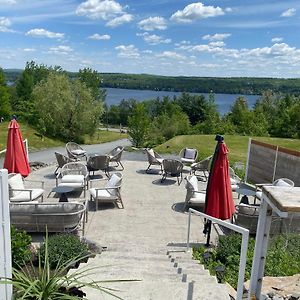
[(73, 174), (172, 167), (202, 166), (61, 161), (75, 151), (98, 162), (153, 159), (193, 197), (188, 155), (115, 155)]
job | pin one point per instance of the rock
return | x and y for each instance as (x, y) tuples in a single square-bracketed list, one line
[(35, 165), (94, 247)]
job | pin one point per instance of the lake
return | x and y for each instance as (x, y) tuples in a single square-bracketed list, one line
[(223, 101)]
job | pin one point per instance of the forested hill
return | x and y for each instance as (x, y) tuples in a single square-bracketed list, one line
[(227, 85)]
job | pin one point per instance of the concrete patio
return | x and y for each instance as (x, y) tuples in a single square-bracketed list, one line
[(146, 240)]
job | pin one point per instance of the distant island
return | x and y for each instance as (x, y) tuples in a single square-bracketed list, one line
[(225, 85)]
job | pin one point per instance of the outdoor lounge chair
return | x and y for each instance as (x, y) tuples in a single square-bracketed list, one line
[(172, 167), (97, 163), (61, 161), (188, 155), (153, 159), (110, 193), (75, 175), (115, 155), (235, 180), (19, 193), (194, 197), (51, 217), (202, 166), (75, 151)]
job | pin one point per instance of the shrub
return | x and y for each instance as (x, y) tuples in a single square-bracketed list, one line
[(63, 248), (20, 247), (283, 257)]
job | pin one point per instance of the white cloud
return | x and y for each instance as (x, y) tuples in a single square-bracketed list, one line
[(4, 24), (148, 51), (28, 49), (154, 39), (152, 23), (126, 18), (289, 12), (99, 37), (277, 39), (40, 32), (171, 54), (129, 51), (107, 10), (61, 50), (217, 44), (181, 43), (196, 11), (216, 36), (99, 9)]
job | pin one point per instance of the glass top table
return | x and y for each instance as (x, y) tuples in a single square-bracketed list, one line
[(62, 191)]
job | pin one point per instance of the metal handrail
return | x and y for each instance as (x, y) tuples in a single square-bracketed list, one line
[(25, 141), (244, 246)]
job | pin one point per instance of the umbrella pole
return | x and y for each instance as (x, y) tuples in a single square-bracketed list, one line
[(207, 230)]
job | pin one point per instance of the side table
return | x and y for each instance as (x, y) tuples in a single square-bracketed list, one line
[(62, 191)]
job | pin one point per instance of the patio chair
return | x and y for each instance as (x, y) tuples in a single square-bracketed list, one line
[(19, 193), (281, 182), (115, 155), (110, 193), (193, 197), (61, 161), (172, 167), (75, 151), (235, 180), (153, 159), (201, 166), (75, 175), (97, 163), (188, 155)]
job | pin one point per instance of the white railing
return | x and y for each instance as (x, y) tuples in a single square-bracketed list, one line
[(26, 148), (5, 246), (244, 246)]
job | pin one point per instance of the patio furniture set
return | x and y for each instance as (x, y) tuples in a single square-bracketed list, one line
[(30, 213)]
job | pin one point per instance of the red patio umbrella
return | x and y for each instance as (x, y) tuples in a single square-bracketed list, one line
[(219, 201), (16, 160)]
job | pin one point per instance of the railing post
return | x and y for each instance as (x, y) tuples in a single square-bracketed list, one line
[(5, 241)]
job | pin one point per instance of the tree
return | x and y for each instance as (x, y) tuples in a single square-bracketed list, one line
[(138, 124), (66, 109), (93, 81), (5, 107)]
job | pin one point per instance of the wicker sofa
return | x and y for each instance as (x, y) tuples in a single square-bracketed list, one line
[(51, 217)]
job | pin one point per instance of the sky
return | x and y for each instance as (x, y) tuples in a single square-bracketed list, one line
[(164, 37)]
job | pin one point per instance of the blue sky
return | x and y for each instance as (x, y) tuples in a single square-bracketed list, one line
[(165, 37)]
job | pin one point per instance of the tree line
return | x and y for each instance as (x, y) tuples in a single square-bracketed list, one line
[(224, 85), (68, 107)]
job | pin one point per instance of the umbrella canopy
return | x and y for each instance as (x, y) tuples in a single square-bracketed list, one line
[(219, 201), (16, 160)]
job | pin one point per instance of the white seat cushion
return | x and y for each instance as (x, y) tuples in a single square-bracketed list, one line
[(75, 185), (16, 182), (100, 194), (72, 179), (113, 181), (194, 182), (190, 153), (160, 160), (198, 198), (234, 187), (25, 195), (258, 194), (187, 160), (151, 152), (281, 182), (233, 181), (78, 152)]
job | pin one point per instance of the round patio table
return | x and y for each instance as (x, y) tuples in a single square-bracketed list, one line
[(62, 191)]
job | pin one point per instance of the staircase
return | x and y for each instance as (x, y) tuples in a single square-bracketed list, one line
[(160, 274)]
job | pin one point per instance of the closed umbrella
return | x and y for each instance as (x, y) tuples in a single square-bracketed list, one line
[(16, 160), (219, 201)]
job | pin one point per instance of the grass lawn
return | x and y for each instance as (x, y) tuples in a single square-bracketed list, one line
[(238, 145), (38, 143)]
